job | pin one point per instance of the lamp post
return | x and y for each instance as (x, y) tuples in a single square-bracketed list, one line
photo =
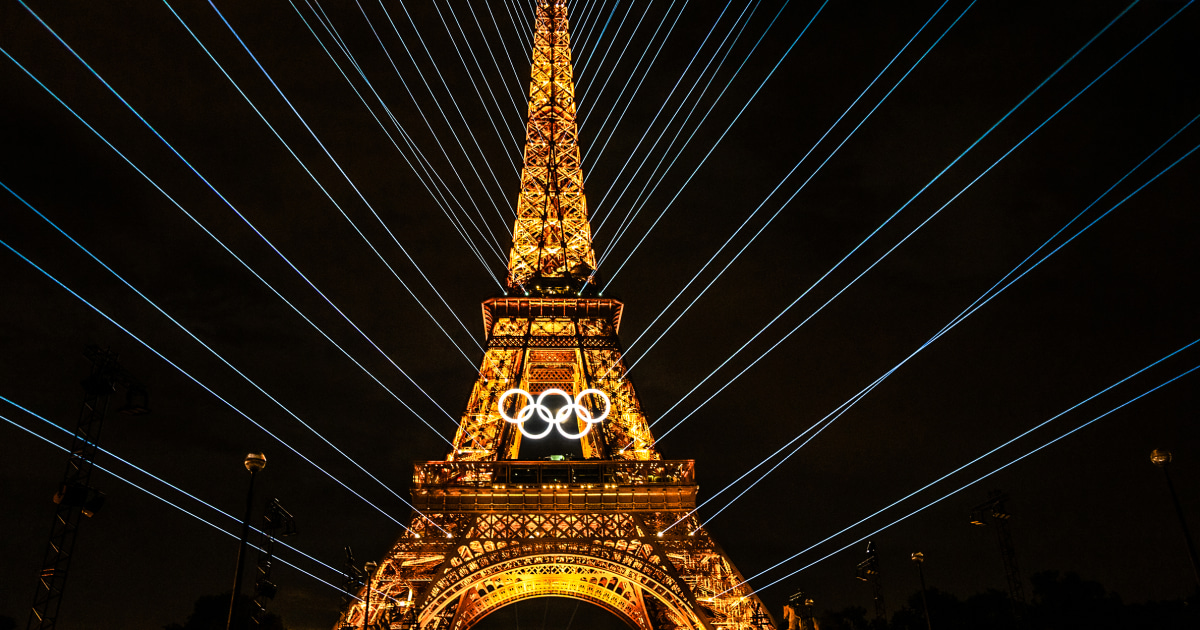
[(918, 559), (1162, 459), (254, 463), (369, 569)]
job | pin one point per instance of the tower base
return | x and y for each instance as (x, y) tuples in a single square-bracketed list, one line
[(508, 531)]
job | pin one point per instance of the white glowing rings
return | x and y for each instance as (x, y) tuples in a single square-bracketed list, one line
[(553, 418)]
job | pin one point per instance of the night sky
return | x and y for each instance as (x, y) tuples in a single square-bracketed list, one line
[(1117, 298)]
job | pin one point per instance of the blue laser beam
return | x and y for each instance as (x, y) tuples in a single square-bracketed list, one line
[(581, 72), (646, 154), (580, 48), (504, 44), (192, 514), (724, 133), (974, 461), (582, 94), (579, 41), (822, 423), (643, 195), (1046, 80), (487, 110), (991, 293), (326, 23), (513, 130), (197, 382), (222, 243), (493, 243), (524, 23), (787, 176), (523, 35), (682, 126), (430, 174), (520, 119), (930, 183), (210, 349), (427, 165), (985, 476), (596, 10), (662, 42), (222, 197), (621, 228), (975, 306), (312, 176), (453, 101), (164, 482), (324, 149)]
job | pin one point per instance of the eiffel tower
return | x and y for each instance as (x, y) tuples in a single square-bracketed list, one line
[(492, 529)]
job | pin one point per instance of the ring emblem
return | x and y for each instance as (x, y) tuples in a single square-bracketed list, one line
[(553, 419)]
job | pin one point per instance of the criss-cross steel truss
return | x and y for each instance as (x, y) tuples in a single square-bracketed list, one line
[(587, 530), (552, 238), (543, 341), (492, 529)]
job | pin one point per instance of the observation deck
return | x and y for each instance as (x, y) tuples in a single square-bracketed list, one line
[(553, 486), (546, 306)]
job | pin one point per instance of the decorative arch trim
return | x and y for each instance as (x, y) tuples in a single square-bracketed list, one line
[(564, 568)]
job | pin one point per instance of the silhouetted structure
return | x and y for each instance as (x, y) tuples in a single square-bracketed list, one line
[(868, 571), (1162, 459), (276, 522), (254, 463), (76, 498), (991, 513)]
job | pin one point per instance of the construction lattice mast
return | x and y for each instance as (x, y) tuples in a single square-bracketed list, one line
[(76, 498)]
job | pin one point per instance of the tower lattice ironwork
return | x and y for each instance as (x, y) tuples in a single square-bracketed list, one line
[(492, 529)]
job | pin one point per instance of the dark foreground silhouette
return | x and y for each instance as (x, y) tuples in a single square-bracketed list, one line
[(1059, 602)]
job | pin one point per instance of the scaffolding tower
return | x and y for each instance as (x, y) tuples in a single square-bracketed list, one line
[(868, 571), (993, 513), (76, 498)]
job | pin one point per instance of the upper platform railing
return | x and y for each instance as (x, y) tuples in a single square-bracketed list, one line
[(538, 473)]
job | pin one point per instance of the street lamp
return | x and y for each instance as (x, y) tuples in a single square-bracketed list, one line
[(254, 463), (1162, 459), (369, 568), (918, 559)]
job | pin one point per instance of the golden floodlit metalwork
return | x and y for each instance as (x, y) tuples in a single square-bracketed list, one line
[(552, 238), (493, 529)]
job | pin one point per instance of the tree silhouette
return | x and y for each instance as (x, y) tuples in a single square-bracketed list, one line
[(1060, 602), (212, 611)]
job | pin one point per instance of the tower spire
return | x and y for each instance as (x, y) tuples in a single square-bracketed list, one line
[(552, 239), (551, 333)]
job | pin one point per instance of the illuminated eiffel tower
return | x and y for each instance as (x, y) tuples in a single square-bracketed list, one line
[(495, 529)]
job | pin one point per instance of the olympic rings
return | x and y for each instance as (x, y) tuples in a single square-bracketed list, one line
[(553, 419)]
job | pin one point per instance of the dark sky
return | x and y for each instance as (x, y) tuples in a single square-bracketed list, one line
[(1117, 298)]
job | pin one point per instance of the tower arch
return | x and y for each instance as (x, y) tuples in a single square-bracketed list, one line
[(645, 598), (552, 612)]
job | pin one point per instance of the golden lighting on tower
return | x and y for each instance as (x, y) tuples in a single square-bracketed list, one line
[(552, 240), (492, 528)]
